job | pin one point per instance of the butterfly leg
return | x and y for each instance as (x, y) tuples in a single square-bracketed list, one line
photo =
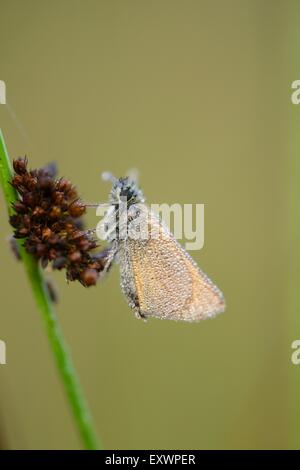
[(107, 258)]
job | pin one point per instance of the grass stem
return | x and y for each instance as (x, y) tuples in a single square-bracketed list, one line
[(60, 351)]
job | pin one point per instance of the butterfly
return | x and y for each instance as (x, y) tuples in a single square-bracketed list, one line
[(158, 277)]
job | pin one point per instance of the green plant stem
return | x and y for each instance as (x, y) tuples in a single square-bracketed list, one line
[(40, 292)]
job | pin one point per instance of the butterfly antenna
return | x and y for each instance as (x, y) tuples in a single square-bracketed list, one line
[(108, 176), (133, 175)]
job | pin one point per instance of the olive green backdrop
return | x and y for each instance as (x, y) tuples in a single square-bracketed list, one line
[(196, 95)]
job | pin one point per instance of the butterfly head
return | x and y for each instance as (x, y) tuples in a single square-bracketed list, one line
[(123, 190)]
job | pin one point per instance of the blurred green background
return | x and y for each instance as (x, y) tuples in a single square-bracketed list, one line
[(196, 95)]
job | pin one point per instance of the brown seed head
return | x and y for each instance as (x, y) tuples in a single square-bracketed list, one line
[(89, 277), (48, 217)]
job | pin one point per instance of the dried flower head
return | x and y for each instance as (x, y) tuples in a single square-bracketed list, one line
[(49, 218)]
